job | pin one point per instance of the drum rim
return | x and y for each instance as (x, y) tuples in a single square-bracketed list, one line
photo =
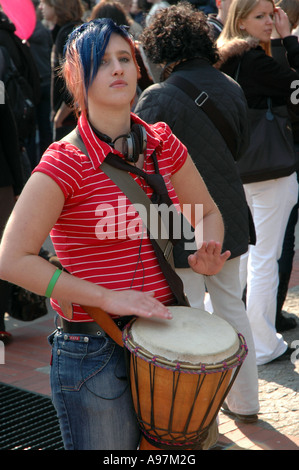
[(229, 363)]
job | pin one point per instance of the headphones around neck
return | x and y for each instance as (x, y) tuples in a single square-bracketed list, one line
[(133, 144)]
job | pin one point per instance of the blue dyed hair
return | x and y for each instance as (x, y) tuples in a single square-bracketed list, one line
[(90, 41)]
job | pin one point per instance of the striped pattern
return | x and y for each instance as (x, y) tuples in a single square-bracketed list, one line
[(99, 236)]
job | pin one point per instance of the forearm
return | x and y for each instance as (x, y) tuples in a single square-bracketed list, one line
[(34, 274), (210, 228), (292, 48)]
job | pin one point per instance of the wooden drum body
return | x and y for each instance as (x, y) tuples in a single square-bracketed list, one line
[(180, 373)]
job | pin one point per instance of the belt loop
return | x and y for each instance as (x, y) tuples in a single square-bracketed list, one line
[(56, 318)]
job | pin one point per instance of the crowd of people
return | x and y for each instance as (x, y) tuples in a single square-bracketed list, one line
[(113, 70)]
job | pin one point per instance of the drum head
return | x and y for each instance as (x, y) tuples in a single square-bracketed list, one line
[(192, 336)]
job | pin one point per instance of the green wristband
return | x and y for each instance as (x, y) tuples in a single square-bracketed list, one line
[(52, 282)]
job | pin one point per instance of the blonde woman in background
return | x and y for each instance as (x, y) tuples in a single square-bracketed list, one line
[(245, 49)]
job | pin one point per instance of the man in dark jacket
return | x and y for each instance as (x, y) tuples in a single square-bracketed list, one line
[(179, 39)]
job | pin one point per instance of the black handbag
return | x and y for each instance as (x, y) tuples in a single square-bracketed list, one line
[(26, 305), (271, 152)]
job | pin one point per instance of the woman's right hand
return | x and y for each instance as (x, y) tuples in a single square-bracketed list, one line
[(132, 302)]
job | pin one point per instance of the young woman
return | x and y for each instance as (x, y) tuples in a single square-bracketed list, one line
[(244, 46), (68, 193)]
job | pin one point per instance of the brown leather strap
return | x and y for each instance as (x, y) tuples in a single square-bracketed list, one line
[(104, 320)]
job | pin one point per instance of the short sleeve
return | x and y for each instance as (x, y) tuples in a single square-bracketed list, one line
[(63, 163)]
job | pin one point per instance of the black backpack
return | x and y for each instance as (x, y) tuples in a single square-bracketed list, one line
[(21, 97)]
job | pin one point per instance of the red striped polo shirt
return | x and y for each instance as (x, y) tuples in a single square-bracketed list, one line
[(98, 235)]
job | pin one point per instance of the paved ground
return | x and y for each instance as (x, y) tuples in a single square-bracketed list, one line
[(279, 382)]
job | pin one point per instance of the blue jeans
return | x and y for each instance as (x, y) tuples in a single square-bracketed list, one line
[(91, 393)]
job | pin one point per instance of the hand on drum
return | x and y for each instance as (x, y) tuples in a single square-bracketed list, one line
[(132, 302), (208, 259)]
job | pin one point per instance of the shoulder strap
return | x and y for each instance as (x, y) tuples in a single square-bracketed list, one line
[(204, 102)]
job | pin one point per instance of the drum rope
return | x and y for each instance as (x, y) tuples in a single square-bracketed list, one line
[(152, 373), (155, 435), (200, 368)]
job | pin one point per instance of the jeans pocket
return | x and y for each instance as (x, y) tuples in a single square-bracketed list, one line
[(77, 358), (95, 362), (111, 381)]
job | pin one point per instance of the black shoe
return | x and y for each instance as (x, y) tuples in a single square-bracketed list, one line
[(284, 356), (5, 337), (244, 418), (284, 324)]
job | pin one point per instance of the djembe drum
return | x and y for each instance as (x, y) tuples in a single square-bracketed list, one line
[(180, 373)]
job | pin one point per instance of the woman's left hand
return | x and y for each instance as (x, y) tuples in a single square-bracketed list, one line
[(282, 23), (208, 260)]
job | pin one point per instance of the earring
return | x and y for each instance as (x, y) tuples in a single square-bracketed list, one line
[(242, 27)]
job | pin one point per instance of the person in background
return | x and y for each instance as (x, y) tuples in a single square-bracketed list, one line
[(217, 20), (88, 6), (165, 42), (139, 9), (63, 16), (20, 54), (136, 27), (41, 45), (157, 5), (11, 184), (244, 47), (119, 14), (206, 6), (285, 263)]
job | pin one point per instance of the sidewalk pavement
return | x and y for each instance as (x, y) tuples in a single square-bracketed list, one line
[(27, 361)]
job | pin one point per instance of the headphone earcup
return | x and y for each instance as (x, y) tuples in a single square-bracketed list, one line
[(141, 137), (135, 143)]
